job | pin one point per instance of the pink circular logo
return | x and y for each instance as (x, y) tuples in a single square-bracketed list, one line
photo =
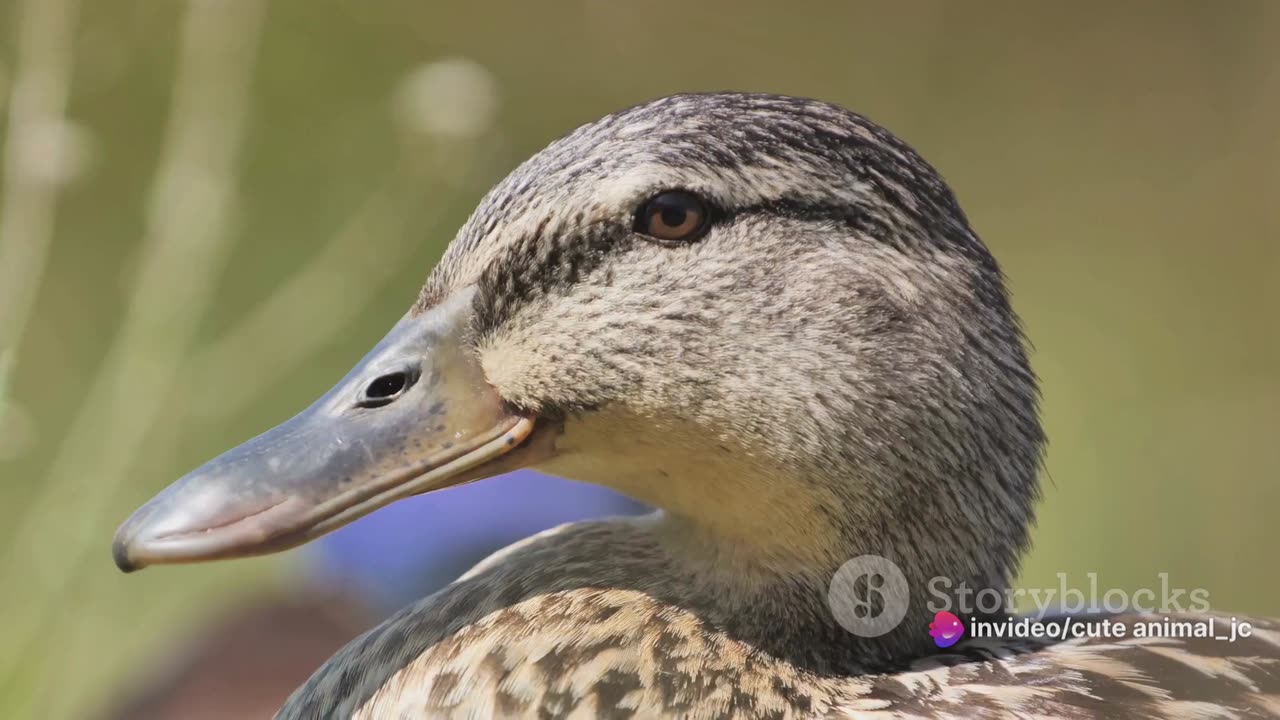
[(945, 629)]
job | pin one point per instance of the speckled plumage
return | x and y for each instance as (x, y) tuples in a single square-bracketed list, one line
[(833, 370), (507, 641)]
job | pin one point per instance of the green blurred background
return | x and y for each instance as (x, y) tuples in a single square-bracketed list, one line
[(234, 200)]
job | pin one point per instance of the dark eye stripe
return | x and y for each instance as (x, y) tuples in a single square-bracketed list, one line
[(861, 220)]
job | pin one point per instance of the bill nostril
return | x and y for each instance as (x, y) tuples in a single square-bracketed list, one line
[(386, 386), (385, 389)]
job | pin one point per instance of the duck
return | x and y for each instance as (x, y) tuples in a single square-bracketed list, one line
[(768, 318)]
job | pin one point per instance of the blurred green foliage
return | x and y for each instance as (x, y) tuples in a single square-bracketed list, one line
[(1122, 160)]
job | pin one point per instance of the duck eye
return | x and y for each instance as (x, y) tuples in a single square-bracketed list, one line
[(673, 216)]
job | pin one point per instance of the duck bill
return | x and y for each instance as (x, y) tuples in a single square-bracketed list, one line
[(415, 415)]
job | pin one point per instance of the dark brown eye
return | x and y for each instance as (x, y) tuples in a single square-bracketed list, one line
[(673, 216)]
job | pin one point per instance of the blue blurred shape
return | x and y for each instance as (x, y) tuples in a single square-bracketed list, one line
[(417, 545)]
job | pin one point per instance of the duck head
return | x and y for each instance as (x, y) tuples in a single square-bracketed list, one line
[(766, 316)]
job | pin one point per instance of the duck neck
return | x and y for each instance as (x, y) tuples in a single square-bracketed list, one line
[(793, 578), (761, 540)]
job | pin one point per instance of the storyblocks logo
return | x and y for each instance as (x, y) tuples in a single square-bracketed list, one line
[(961, 599), (870, 596)]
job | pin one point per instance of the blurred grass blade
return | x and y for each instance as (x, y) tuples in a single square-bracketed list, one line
[(27, 203), (190, 209)]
